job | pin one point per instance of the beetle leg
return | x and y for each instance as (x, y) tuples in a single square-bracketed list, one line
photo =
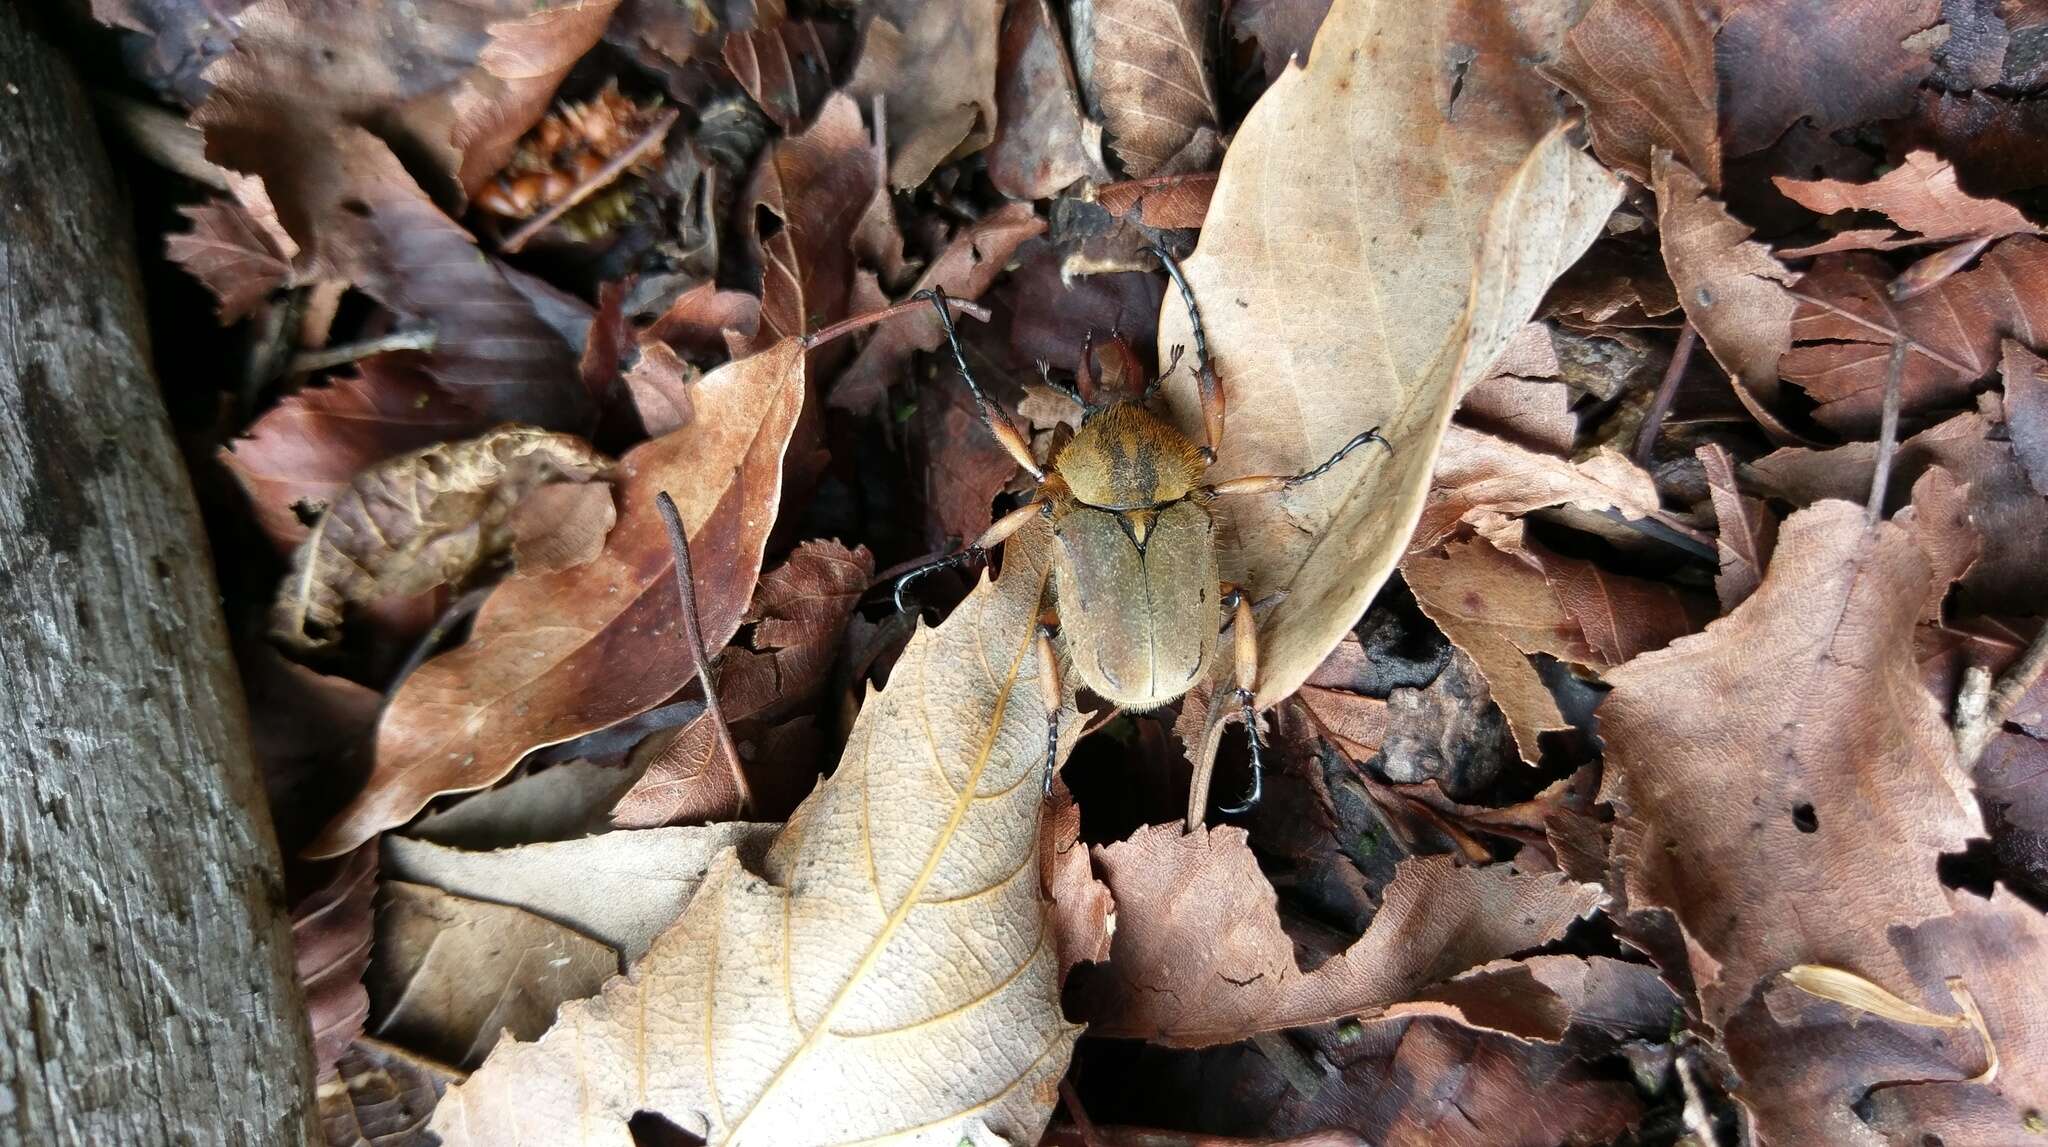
[(990, 538), (1206, 385), (999, 424), (1049, 688), (1246, 671), (1274, 483)]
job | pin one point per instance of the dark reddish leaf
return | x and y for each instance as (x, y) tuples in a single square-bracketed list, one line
[(541, 662), (331, 930), (816, 186), (239, 262), (1838, 65), (1163, 200), (1644, 69), (2026, 410)]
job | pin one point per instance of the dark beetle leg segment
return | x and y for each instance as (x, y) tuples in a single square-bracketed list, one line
[(1205, 371), (1049, 689), (999, 424), (1246, 671), (992, 537), (1274, 483)]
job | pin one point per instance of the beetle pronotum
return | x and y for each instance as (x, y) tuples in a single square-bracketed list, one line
[(1134, 545)]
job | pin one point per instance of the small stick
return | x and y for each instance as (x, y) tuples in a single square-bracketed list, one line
[(693, 639), (1083, 1126), (613, 168), (1667, 389), (858, 322), (1891, 334), (1887, 434), (1981, 707), (341, 354)]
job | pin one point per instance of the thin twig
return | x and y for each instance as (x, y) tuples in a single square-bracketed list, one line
[(458, 611), (1887, 434), (693, 639), (598, 180), (1698, 1121), (1083, 1126), (1982, 708), (848, 325), (341, 354), (1667, 389)]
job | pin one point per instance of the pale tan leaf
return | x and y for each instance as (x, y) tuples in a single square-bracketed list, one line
[(448, 974), (624, 888), (889, 973), (1480, 476), (1373, 243), (418, 521)]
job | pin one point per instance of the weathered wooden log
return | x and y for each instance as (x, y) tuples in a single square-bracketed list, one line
[(146, 990)]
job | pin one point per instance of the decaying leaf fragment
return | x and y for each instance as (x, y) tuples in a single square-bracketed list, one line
[(1787, 809), (557, 655), (1921, 196), (1195, 970), (420, 520), (1147, 72), (1371, 246), (888, 973)]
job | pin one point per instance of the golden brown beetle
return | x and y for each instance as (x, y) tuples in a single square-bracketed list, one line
[(1134, 557)]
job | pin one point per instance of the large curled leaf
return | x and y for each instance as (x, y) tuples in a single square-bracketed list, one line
[(557, 655), (888, 975), (1377, 235)]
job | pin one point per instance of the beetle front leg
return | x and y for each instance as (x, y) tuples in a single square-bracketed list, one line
[(990, 538), (1246, 669), (1207, 387), (1274, 483), (1050, 689)]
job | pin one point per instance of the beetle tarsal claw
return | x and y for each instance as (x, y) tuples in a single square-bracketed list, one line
[(1251, 732)]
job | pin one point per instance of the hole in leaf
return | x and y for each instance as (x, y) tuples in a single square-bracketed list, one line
[(650, 1129), (1804, 817)]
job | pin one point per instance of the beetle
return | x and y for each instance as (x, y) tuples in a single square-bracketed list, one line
[(1134, 546)]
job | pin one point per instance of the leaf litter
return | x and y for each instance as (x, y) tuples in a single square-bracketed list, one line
[(1629, 776)]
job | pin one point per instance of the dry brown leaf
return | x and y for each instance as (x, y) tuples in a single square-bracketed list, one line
[(1446, 228), (1499, 609), (1479, 477), (855, 988), (2004, 508), (800, 612), (382, 1096), (454, 84), (1920, 197), (1195, 970), (1787, 810), (785, 65), (1644, 69), (623, 888), (448, 974), (934, 66), (542, 664), (1748, 530), (1540, 998), (1816, 1071), (1844, 334), (818, 184), (1043, 142), (305, 450), (495, 347), (1996, 143), (964, 270), (1731, 286), (1147, 75), (1162, 200), (1532, 412), (331, 947), (1284, 29), (2026, 410), (659, 383), (1939, 520), (1622, 617), (1083, 913), (1835, 64), (239, 262), (561, 526), (426, 519), (705, 322)]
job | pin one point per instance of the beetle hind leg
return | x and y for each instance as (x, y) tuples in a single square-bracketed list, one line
[(1246, 671), (977, 549), (1050, 690)]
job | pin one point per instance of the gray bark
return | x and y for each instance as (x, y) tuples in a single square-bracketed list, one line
[(146, 988)]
